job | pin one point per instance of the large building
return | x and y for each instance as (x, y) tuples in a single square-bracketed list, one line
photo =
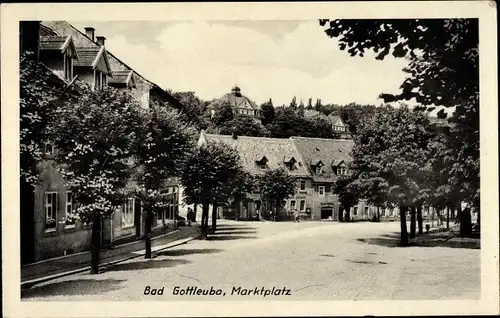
[(314, 162), (49, 224), (240, 104)]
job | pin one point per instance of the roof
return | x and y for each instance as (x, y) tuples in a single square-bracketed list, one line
[(121, 77), (334, 119), (328, 151), (252, 149), (46, 31), (87, 56), (52, 42)]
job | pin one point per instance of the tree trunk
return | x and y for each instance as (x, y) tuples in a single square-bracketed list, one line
[(448, 218), (404, 231), (413, 222), (378, 214), (195, 210), (147, 231), (95, 242), (237, 212), (214, 217), (347, 213), (341, 214), (465, 222), (204, 220), (420, 220)]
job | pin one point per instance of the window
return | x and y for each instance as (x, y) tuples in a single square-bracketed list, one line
[(341, 171), (128, 213), (302, 185), (49, 148), (302, 205), (355, 211), (319, 169), (383, 212), (321, 190), (50, 211), (104, 80), (292, 205), (71, 215), (366, 210), (97, 79), (68, 67)]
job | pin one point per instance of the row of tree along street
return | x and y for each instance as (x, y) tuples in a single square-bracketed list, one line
[(108, 148), (398, 158)]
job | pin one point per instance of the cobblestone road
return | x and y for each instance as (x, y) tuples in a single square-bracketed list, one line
[(314, 260)]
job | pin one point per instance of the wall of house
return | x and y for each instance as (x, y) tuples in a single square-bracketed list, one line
[(53, 60), (85, 74), (55, 243)]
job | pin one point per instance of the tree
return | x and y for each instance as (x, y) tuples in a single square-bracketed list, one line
[(94, 141), (242, 126), (164, 142), (353, 113), (243, 184), (194, 109), (390, 159), (347, 192), (318, 105), (301, 109), (293, 103), (443, 71), (223, 113), (275, 186), (268, 113), (309, 104), (207, 176), (321, 128), (41, 94)]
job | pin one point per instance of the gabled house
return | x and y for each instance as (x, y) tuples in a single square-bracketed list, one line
[(51, 228), (59, 54), (240, 104), (259, 154)]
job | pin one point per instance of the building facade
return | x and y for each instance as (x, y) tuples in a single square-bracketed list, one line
[(240, 104), (50, 226), (315, 163)]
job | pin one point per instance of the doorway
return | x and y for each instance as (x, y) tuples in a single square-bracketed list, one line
[(326, 213)]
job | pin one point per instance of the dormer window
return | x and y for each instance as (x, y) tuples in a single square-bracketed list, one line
[(100, 80), (261, 162), (290, 163), (339, 167), (317, 165)]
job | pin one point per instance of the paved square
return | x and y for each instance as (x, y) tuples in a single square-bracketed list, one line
[(314, 260)]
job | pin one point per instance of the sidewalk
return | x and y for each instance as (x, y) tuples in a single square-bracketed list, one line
[(42, 271)]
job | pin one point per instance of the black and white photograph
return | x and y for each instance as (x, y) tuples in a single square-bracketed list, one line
[(332, 156)]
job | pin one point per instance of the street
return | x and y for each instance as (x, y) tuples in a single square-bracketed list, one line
[(305, 261)]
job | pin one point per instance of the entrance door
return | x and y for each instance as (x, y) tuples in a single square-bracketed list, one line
[(326, 213)]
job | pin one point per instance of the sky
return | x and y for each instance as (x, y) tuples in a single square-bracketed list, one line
[(267, 59)]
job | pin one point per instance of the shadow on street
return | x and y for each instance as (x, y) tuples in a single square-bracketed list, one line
[(231, 232), (182, 252), (73, 288), (146, 264), (440, 239), (217, 237), (234, 228)]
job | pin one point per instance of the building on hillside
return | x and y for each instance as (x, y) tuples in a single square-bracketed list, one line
[(49, 227), (240, 104), (338, 126)]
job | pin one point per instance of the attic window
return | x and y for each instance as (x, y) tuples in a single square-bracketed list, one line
[(317, 165), (290, 163), (261, 162)]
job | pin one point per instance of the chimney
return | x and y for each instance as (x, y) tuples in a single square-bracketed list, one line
[(89, 31), (100, 40)]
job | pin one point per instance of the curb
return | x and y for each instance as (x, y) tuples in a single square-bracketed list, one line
[(30, 283)]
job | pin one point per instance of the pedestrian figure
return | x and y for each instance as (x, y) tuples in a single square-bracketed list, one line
[(189, 216), (296, 216)]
